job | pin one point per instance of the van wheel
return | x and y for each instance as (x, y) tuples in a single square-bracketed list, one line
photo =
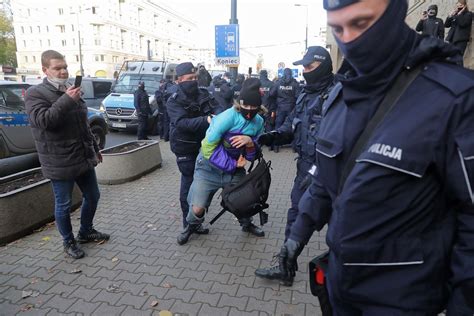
[(99, 135)]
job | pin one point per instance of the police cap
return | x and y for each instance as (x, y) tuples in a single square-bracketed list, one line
[(337, 4), (314, 53), (185, 69)]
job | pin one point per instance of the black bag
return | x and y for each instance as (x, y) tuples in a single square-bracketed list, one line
[(249, 196)]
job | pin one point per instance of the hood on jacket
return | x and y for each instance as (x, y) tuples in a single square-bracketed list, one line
[(432, 11)]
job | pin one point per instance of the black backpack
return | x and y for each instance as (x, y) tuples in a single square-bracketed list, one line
[(249, 196)]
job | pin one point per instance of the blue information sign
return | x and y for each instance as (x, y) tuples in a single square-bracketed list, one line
[(294, 71), (227, 40)]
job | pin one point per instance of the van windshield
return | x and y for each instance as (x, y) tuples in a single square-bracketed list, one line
[(127, 83)]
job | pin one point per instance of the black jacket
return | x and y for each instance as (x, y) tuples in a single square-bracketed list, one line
[(141, 102), (63, 139), (222, 93), (188, 120), (460, 27), (431, 26)]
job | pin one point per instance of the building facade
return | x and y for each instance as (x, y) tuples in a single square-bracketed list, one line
[(109, 31), (416, 7)]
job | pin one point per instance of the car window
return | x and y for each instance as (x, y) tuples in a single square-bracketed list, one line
[(101, 88), (13, 96)]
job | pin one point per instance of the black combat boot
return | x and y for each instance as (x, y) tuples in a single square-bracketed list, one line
[(254, 230), (183, 237), (278, 272)]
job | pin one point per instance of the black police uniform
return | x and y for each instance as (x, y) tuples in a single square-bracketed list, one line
[(400, 230), (266, 87), (283, 96), (222, 93), (142, 106)]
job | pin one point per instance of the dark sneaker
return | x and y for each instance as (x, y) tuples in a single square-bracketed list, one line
[(72, 250), (273, 273), (254, 230), (183, 237), (92, 235), (201, 230)]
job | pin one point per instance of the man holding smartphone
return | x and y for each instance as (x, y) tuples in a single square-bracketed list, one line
[(430, 24), (459, 22), (67, 150)]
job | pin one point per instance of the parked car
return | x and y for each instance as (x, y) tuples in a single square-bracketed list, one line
[(94, 90), (15, 134)]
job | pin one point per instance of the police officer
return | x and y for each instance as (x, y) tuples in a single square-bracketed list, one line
[(204, 78), (283, 97), (190, 109), (266, 86), (167, 89), (238, 86), (222, 92), (302, 126), (401, 224), (142, 107)]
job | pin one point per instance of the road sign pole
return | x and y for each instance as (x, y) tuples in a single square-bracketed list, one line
[(233, 20)]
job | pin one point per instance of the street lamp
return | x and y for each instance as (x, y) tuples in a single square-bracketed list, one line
[(81, 68), (306, 6)]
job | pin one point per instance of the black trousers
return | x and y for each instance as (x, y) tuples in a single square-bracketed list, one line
[(142, 126)]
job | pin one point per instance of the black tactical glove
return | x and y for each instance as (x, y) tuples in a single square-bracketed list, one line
[(267, 138), (291, 250)]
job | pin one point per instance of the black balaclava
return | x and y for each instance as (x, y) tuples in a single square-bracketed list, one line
[(432, 11), (320, 73), (287, 75), (263, 75), (378, 44), (190, 88)]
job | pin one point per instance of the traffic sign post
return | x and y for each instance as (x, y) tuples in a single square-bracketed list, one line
[(227, 44)]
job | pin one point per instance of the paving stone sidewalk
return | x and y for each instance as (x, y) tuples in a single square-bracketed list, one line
[(143, 271)]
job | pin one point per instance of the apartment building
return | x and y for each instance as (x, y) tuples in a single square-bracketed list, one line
[(107, 32)]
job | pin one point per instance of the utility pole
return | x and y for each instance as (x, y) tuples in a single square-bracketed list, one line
[(233, 20), (306, 38)]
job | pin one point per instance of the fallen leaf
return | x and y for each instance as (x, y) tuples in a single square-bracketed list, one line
[(154, 303), (149, 225), (26, 293), (34, 281), (46, 238), (115, 259), (167, 286), (154, 228), (26, 307), (75, 271)]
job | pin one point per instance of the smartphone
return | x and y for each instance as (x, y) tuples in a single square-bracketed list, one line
[(77, 81)]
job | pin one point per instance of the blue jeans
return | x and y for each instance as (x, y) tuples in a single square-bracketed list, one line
[(207, 180), (62, 189)]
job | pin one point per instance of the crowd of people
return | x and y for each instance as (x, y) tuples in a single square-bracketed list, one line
[(385, 156)]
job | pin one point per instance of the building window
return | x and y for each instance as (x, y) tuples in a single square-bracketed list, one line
[(63, 43), (22, 30), (62, 28), (24, 43), (72, 27), (49, 42), (34, 59), (115, 59), (31, 29), (26, 59), (74, 41), (77, 58), (39, 29), (102, 57), (47, 28), (96, 57), (61, 11), (97, 42), (41, 43)]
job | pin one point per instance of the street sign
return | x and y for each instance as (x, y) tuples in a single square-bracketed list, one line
[(294, 71), (227, 41), (228, 61)]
